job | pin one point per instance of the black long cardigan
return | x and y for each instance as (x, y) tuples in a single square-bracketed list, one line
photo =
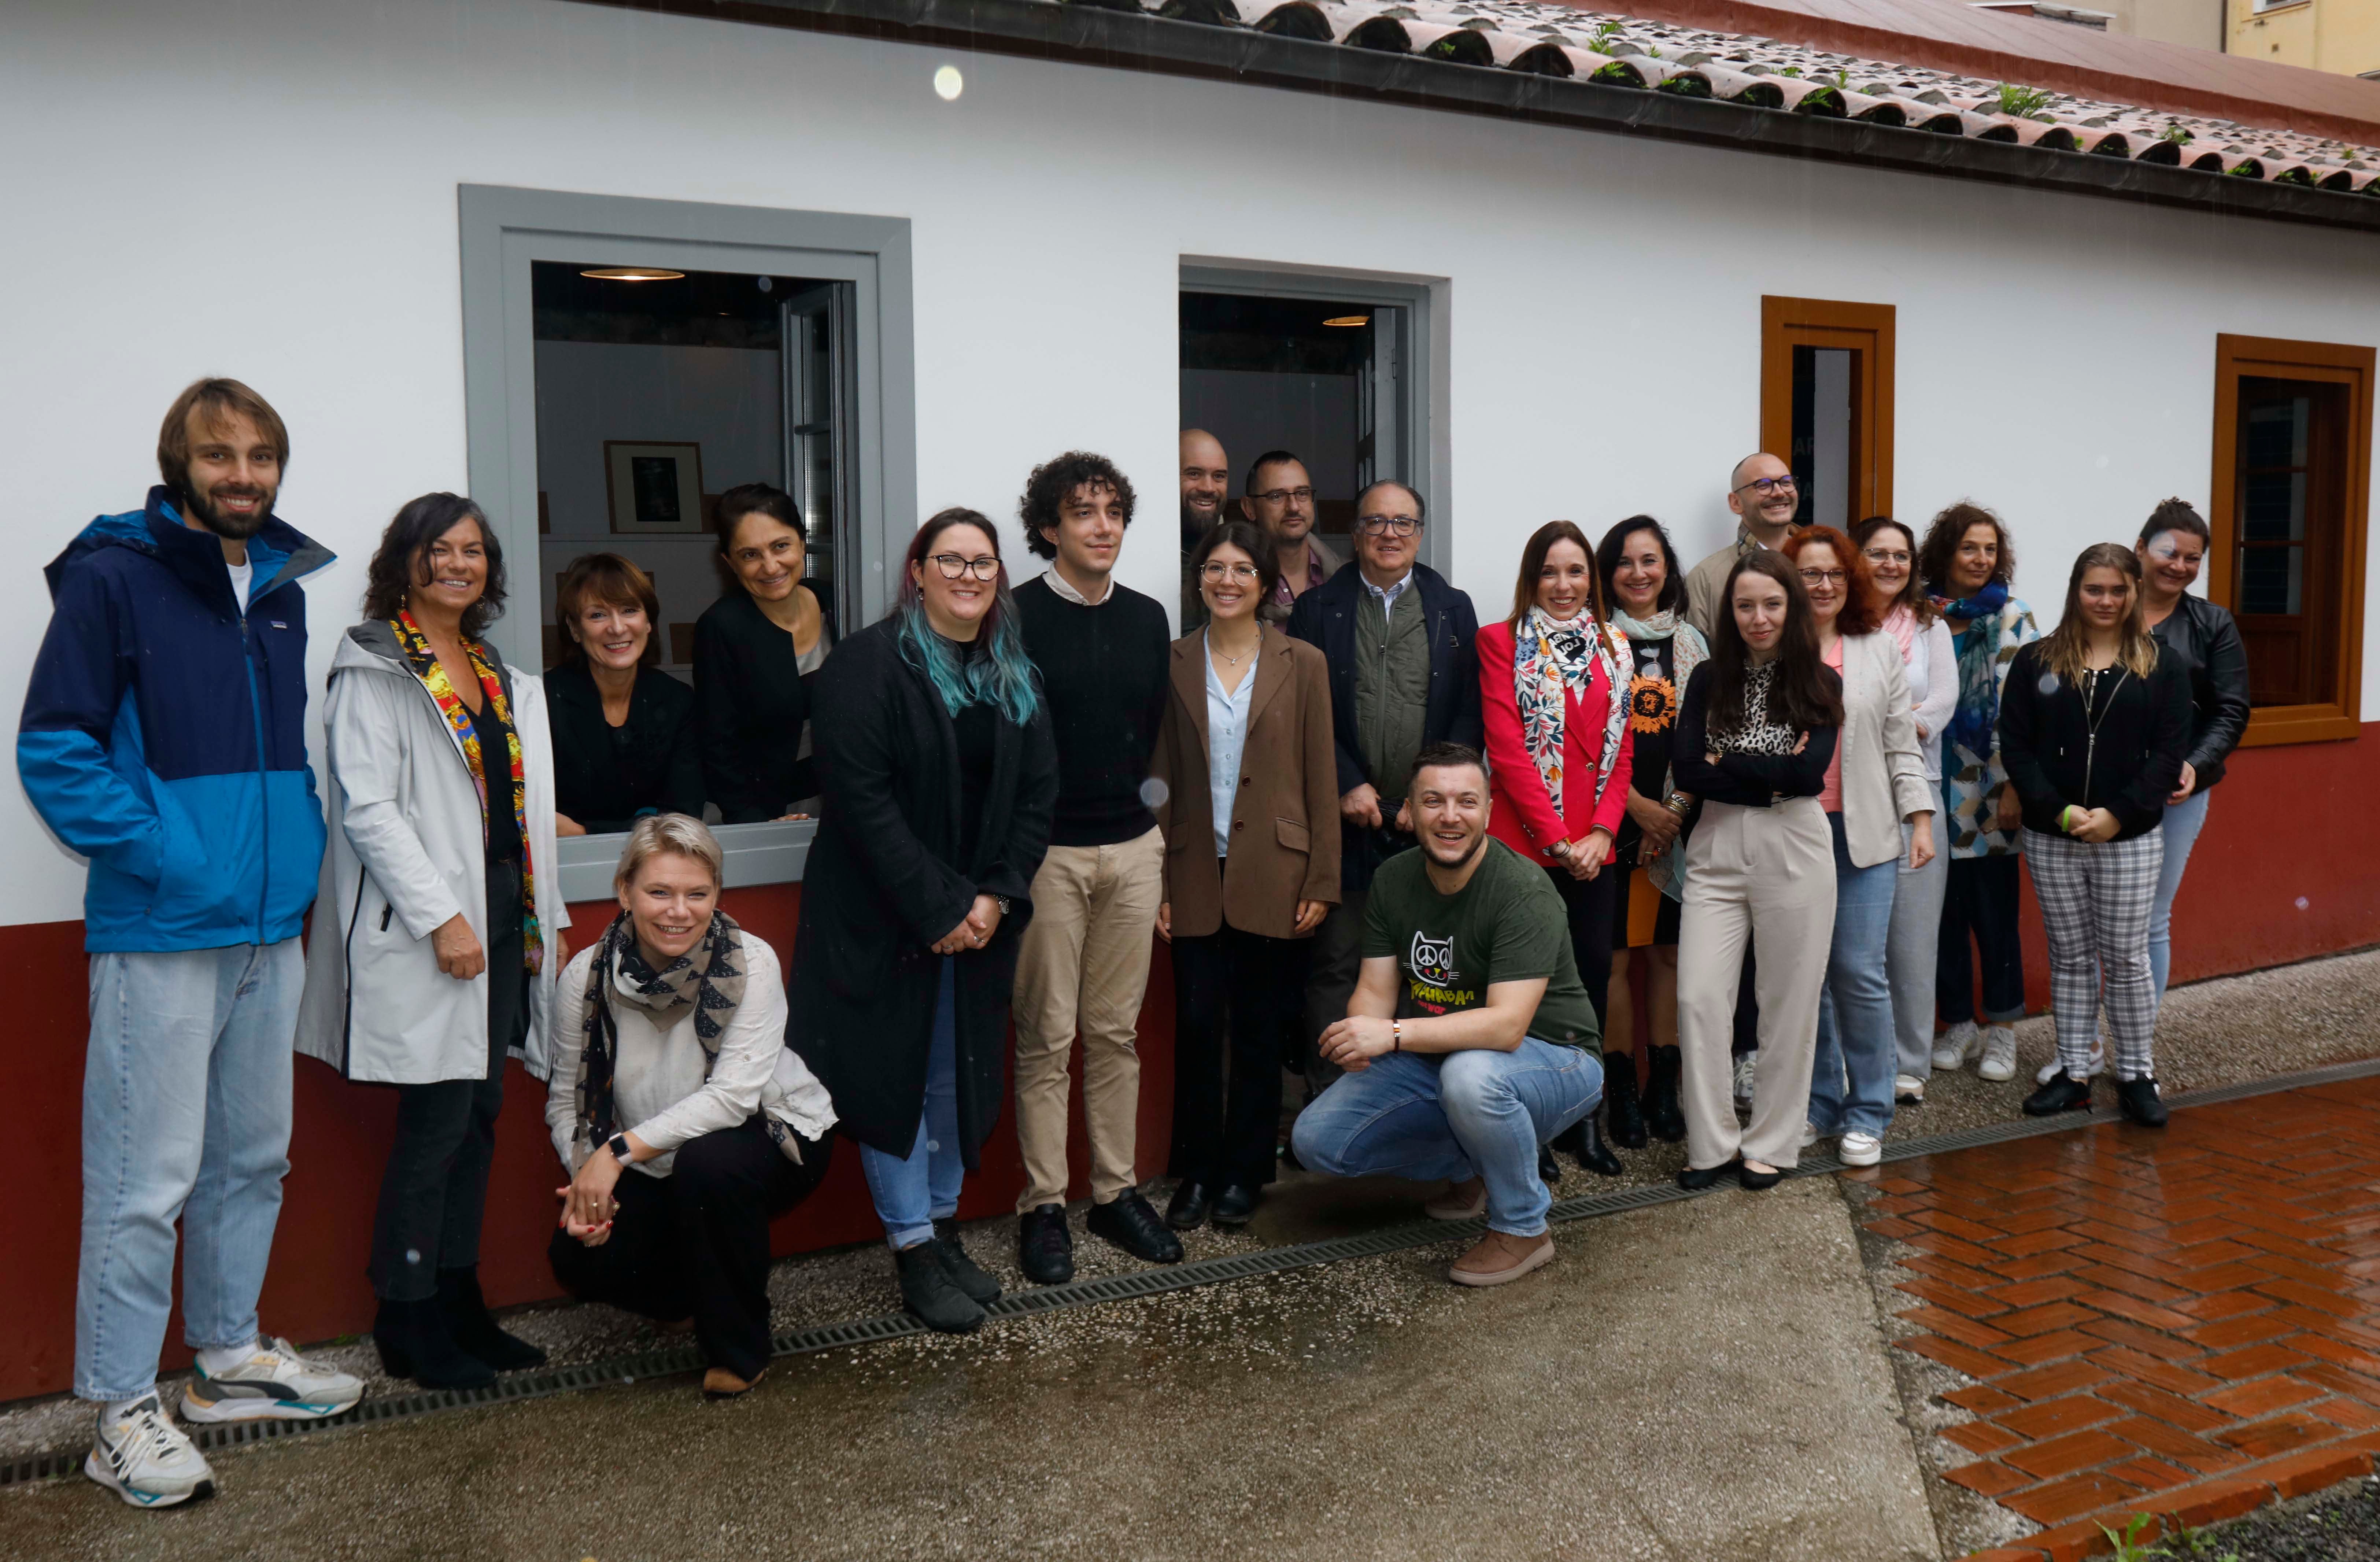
[(882, 884), (751, 700)]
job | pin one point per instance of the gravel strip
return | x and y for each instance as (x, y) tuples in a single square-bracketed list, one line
[(2339, 1525)]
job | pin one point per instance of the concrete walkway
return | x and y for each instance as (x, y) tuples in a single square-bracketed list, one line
[(1702, 1380)]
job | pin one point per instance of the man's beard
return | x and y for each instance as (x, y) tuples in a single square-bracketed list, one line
[(1478, 844), (1195, 526), (239, 529)]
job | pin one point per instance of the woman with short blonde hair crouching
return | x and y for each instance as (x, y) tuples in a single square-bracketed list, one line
[(670, 1062)]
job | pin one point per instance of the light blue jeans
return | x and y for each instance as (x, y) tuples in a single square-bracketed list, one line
[(1914, 952), (2182, 823), (1455, 1115), (911, 1194), (1850, 1075), (185, 1114)]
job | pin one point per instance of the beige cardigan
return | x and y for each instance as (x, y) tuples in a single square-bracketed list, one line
[(1884, 776)]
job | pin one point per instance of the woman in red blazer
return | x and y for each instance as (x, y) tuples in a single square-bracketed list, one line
[(1559, 759)]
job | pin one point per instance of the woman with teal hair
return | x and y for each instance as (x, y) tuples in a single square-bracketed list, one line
[(939, 775)]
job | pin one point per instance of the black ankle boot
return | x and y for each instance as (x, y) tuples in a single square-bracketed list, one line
[(966, 1274), (1594, 1154), (928, 1291), (415, 1343), (1663, 1116), (1621, 1113), (476, 1330)]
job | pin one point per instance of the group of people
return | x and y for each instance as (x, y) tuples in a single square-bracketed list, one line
[(1391, 852)]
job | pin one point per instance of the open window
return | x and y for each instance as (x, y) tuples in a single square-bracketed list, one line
[(2291, 494), (1826, 404)]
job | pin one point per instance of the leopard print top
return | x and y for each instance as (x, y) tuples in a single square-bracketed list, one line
[(1758, 734)]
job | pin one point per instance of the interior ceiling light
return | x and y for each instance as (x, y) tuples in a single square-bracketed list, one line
[(633, 274), (1343, 319)]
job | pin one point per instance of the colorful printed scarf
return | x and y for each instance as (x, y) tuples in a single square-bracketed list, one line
[(1550, 660), (709, 977), (1974, 724), (432, 674)]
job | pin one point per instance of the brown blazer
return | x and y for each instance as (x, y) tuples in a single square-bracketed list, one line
[(1285, 828)]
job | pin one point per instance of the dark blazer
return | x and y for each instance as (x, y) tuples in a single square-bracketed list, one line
[(1325, 618), (751, 700), (604, 776), (2202, 639), (2053, 760), (883, 883), (1283, 848)]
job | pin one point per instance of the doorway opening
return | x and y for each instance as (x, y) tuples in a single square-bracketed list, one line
[(1825, 405)]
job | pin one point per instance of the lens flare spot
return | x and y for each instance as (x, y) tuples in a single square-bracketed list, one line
[(949, 83), (1153, 793), (2303, 903)]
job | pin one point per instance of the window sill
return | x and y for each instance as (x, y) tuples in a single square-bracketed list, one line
[(771, 852), (2276, 725)]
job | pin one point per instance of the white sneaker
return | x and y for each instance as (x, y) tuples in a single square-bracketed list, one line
[(143, 1457), (2052, 1069), (1810, 1135), (1743, 1068), (273, 1383), (1999, 1055), (1857, 1149), (1954, 1046), (1908, 1090)]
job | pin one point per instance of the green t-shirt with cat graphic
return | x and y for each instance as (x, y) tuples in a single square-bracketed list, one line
[(1507, 924)]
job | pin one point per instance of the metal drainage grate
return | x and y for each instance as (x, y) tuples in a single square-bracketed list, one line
[(681, 1359)]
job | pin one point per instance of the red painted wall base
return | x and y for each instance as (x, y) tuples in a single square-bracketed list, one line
[(2274, 879)]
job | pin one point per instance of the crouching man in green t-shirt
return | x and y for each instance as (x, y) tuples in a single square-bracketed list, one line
[(1469, 1040)]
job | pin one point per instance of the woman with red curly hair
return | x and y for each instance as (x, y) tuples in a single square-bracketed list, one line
[(1875, 781)]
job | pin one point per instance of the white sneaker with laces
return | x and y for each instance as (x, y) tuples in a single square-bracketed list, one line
[(1857, 1149), (2052, 1069), (143, 1457), (1908, 1090), (1954, 1046), (273, 1383), (1744, 1078), (1999, 1055)]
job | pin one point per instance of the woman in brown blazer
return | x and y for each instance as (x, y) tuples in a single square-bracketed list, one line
[(1250, 810)]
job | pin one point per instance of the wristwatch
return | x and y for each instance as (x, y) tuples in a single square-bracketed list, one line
[(618, 1145), (1001, 901)]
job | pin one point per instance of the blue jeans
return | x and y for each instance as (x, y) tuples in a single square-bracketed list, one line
[(1457, 1114), (185, 1114), (1850, 1077), (2182, 823), (911, 1194)]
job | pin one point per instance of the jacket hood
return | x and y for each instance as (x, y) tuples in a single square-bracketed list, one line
[(279, 553)]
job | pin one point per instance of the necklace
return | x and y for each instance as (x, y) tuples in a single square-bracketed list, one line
[(1215, 647)]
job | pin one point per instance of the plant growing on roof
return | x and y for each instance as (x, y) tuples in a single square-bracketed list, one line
[(2022, 102), (2174, 132), (1605, 30), (1791, 70)]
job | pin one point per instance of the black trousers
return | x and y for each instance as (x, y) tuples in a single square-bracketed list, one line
[(1258, 982), (1979, 900), (435, 1188), (695, 1243), (1591, 904)]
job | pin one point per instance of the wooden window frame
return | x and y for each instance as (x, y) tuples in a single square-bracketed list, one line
[(1866, 330), (2237, 358)]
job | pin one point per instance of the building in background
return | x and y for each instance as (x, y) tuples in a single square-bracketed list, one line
[(2341, 36)]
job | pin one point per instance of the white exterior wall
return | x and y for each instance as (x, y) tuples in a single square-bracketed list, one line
[(266, 188)]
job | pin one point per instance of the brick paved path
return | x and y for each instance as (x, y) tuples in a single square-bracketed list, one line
[(2183, 1323)]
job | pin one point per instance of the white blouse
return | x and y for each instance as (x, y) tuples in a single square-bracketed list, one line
[(1933, 663), (1227, 738), (657, 1091)]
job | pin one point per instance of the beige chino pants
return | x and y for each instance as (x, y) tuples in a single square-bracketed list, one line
[(1083, 966), (1767, 874)]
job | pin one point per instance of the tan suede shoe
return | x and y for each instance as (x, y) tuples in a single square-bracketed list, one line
[(1499, 1258), (720, 1383)]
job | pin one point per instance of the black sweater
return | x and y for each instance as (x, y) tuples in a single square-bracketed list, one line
[(1103, 670), (751, 703), (2046, 743), (603, 776), (1746, 780)]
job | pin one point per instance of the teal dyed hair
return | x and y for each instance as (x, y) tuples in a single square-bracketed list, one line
[(1002, 677)]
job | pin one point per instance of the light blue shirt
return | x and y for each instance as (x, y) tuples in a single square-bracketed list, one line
[(1227, 737), (1387, 596)]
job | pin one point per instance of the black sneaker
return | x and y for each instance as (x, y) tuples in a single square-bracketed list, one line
[(2064, 1094), (928, 1291), (1128, 1221), (2141, 1103), (966, 1274), (1045, 1248)]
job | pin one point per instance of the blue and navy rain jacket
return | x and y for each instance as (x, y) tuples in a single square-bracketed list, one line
[(164, 733)]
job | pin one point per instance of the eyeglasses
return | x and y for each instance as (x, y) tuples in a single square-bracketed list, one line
[(1219, 573), (1283, 495), (1768, 485), (1373, 525), (1888, 555), (952, 566), (1825, 577)]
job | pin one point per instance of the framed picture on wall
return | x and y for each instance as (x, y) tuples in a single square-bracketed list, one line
[(655, 486)]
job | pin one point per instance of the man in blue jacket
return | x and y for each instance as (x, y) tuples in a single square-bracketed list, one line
[(163, 738)]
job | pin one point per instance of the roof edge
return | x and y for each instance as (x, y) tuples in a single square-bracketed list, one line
[(1084, 32)]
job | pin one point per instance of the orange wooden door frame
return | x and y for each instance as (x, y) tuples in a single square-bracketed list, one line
[(2237, 358), (1865, 331)]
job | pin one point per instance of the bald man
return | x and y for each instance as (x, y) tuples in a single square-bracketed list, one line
[(1206, 483), (1762, 495)]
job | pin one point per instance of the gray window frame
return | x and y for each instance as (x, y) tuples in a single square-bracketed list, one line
[(505, 229), (1424, 428)]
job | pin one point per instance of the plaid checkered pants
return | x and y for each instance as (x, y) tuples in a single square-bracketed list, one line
[(2094, 904)]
